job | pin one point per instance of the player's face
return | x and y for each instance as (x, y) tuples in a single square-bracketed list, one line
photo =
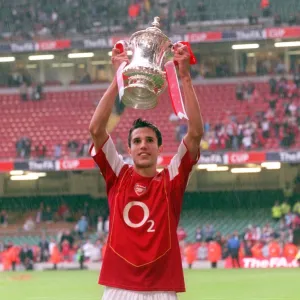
[(144, 148)]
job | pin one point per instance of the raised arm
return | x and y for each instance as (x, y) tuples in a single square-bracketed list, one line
[(192, 107), (103, 111)]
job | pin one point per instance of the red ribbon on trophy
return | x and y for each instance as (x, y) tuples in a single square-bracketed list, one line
[(173, 84), (121, 46)]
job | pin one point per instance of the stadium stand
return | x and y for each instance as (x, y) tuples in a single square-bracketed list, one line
[(63, 116), (30, 19)]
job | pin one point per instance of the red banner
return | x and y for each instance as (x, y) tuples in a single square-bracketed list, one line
[(198, 37), (282, 32), (6, 166), (53, 45), (76, 164), (244, 157), (273, 262)]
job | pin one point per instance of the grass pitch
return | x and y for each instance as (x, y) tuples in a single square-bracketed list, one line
[(266, 284)]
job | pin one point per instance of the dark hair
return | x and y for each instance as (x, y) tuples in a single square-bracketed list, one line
[(139, 123)]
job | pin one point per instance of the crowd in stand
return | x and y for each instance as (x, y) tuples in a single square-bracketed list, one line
[(280, 122), (74, 148), (257, 242), (69, 245), (75, 246), (28, 19)]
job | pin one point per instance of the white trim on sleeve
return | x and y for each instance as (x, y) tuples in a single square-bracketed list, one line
[(176, 160), (113, 158)]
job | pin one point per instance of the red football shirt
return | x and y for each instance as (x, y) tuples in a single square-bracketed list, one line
[(142, 249)]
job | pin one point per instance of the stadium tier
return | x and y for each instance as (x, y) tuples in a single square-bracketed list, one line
[(237, 9), (64, 116)]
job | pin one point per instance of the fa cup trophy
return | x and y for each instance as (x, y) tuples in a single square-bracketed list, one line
[(150, 71)]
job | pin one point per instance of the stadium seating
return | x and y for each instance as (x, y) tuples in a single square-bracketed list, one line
[(63, 116), (59, 118), (226, 211), (237, 9)]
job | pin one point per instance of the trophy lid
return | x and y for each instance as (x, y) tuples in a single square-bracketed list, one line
[(153, 29)]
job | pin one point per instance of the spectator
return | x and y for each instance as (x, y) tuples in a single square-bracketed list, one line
[(296, 207), (265, 8), (202, 251), (29, 224), (73, 148), (276, 212), (283, 87), (68, 237), (55, 256), (86, 209), (39, 214), (247, 249), (198, 235), (265, 125), (66, 250), (285, 207), (280, 68), (267, 233), (37, 92), (247, 141), (239, 92), (86, 78), (277, 20), (82, 227), (265, 250), (181, 235), (208, 232), (201, 11), (292, 20), (44, 249), (233, 248), (85, 148), (253, 19), (296, 221), (297, 76), (48, 215), (88, 249), (57, 151), (106, 225), (3, 219), (40, 150), (23, 91), (180, 14), (23, 147), (218, 238), (190, 254), (26, 257), (63, 211), (214, 253), (289, 218), (100, 226), (273, 85)]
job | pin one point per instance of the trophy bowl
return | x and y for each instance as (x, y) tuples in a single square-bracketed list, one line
[(145, 77)]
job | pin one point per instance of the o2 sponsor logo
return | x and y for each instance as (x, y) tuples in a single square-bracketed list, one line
[(146, 214)]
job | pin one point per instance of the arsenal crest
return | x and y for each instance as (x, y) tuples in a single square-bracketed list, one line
[(139, 189)]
